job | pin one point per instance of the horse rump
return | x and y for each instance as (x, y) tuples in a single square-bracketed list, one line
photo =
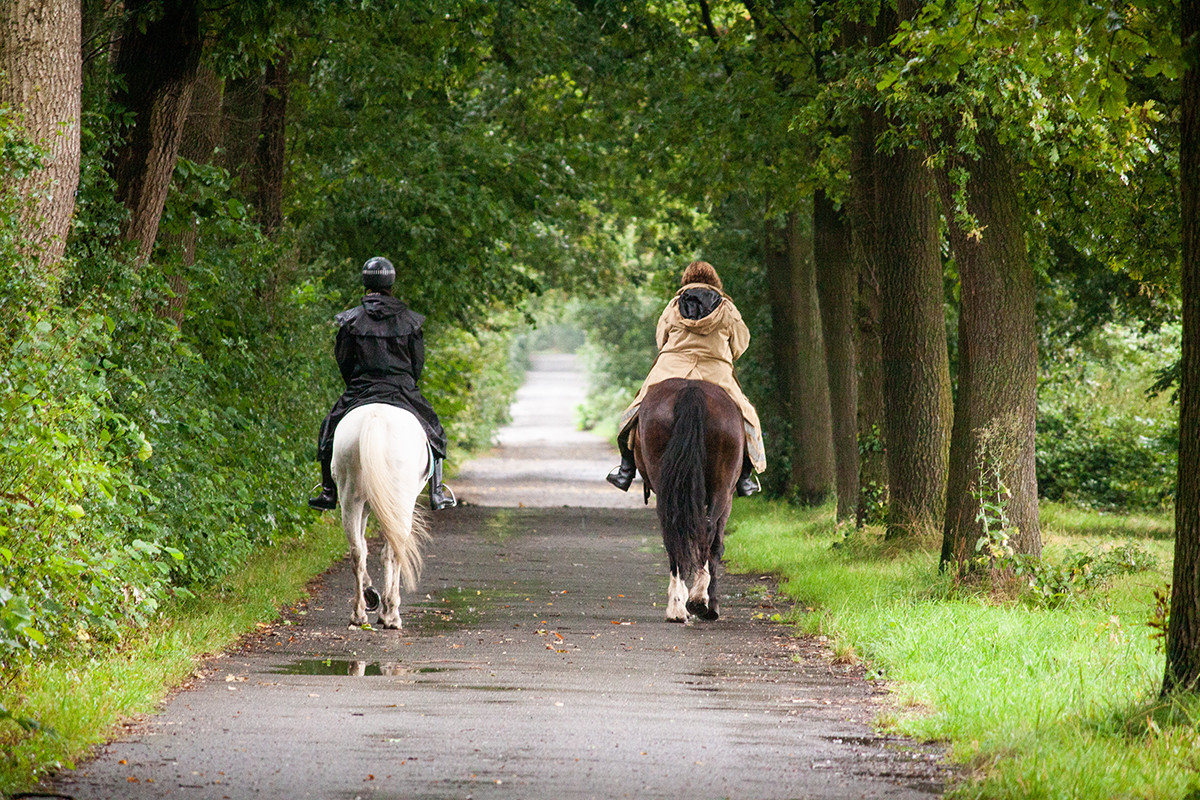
[(402, 524)]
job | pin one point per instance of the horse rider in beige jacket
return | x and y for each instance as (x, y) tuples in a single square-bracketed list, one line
[(700, 334)]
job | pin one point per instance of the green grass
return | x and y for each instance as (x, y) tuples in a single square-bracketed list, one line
[(1034, 702), (84, 699)]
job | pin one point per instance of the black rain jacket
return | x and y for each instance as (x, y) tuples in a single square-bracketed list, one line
[(380, 351)]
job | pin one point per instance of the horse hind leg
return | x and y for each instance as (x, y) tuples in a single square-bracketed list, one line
[(698, 597), (389, 613), (676, 598), (702, 600)]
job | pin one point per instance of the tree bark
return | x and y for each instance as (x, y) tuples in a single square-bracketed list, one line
[(271, 143), (996, 407), (241, 120), (42, 64), (198, 145), (783, 334), (796, 314), (864, 214), (1183, 628), (916, 370), (916, 367), (836, 289), (158, 56)]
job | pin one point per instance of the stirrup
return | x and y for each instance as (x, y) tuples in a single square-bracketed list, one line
[(620, 478), (744, 490), (325, 501), (450, 502)]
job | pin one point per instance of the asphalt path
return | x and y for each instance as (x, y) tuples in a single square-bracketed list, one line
[(534, 662)]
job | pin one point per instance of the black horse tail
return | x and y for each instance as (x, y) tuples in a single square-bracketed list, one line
[(682, 495)]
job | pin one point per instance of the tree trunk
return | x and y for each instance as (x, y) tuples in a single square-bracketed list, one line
[(241, 120), (199, 142), (1183, 629), (271, 144), (992, 447), (42, 66), (158, 56), (916, 370), (863, 213), (836, 288), (783, 335), (800, 359)]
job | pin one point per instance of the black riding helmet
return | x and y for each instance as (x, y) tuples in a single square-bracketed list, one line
[(378, 273)]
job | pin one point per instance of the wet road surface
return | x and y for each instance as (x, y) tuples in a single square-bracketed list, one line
[(534, 663)]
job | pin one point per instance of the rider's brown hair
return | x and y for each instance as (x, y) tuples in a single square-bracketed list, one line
[(701, 272)]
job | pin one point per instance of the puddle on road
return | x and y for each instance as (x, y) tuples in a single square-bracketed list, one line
[(351, 667), (448, 610)]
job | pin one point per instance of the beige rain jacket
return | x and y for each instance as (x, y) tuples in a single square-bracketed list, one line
[(703, 350)]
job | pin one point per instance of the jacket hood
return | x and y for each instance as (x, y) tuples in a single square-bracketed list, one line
[(717, 318), (381, 306)]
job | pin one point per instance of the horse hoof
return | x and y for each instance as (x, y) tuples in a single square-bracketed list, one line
[(698, 608), (371, 598), (391, 626)]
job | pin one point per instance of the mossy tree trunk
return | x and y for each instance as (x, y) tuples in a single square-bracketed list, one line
[(916, 366), (1183, 629), (241, 119), (836, 289), (916, 369), (796, 322), (992, 446), (158, 56), (863, 213), (198, 145), (271, 144), (42, 65)]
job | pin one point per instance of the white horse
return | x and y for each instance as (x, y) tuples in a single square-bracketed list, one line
[(381, 462)]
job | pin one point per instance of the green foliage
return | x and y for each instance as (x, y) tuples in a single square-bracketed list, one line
[(74, 564), (620, 350), (471, 380), (1052, 582), (1042, 579), (1101, 441)]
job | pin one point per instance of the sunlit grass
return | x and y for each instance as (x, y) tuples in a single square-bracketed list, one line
[(1034, 701), (82, 699), (1063, 520)]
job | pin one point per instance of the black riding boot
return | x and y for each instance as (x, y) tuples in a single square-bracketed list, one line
[(327, 499), (437, 490), (622, 476), (747, 482)]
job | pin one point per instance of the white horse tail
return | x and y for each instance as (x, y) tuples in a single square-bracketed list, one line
[(404, 525)]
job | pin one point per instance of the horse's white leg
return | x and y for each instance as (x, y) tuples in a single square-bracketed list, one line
[(354, 522), (697, 602), (676, 599), (389, 610)]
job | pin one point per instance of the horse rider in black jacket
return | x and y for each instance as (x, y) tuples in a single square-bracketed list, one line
[(381, 352)]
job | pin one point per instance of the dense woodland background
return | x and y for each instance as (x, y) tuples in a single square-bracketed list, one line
[(953, 228)]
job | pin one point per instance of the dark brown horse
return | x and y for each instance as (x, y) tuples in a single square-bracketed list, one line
[(689, 449)]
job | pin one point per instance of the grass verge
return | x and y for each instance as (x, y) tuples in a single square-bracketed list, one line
[(82, 699), (1035, 700)]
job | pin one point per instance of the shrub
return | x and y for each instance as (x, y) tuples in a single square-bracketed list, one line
[(1101, 442)]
